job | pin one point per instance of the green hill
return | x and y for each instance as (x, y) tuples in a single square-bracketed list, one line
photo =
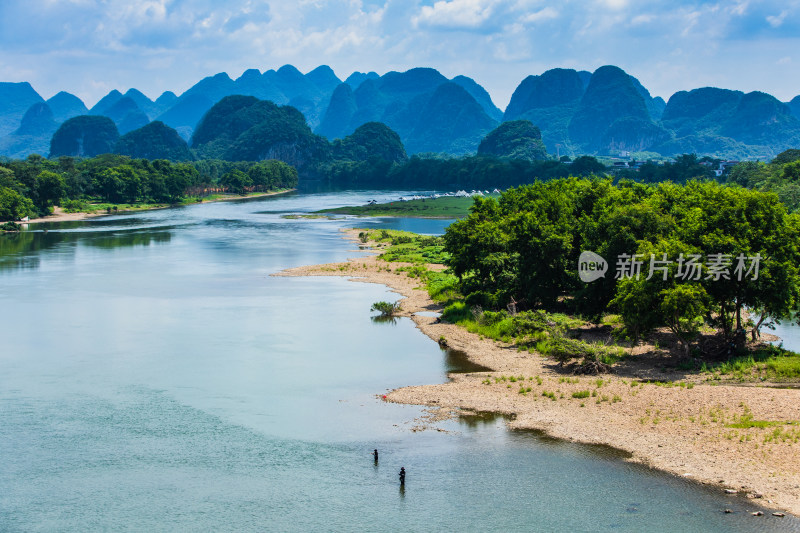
[(613, 116), (517, 139), (728, 124), (451, 121), (370, 140), (243, 128), (84, 136), (154, 141)]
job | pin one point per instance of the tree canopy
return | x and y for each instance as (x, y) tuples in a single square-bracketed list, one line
[(525, 248), (32, 186)]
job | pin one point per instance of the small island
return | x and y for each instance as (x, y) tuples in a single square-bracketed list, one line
[(437, 206)]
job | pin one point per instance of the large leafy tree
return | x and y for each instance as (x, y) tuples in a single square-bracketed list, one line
[(50, 188), (236, 181), (14, 206)]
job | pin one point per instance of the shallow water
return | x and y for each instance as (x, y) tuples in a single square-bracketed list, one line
[(153, 376), (789, 332)]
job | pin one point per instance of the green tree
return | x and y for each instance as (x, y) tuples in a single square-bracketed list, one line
[(480, 252), (587, 165), (638, 307), (787, 156), (50, 188), (236, 181), (683, 308), (14, 206), (749, 174)]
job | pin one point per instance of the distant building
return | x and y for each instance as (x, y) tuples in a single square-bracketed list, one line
[(725, 166)]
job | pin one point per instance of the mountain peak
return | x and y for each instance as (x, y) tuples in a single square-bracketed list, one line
[(166, 96), (288, 70), (794, 106), (106, 102), (611, 98), (480, 95), (324, 78), (415, 79), (249, 74), (38, 120), (357, 78), (65, 105)]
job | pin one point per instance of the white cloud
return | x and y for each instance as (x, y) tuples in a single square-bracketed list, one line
[(546, 13), (776, 20), (615, 4), (740, 8), (455, 13)]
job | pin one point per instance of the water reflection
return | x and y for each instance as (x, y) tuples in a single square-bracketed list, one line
[(134, 238), (477, 419), (380, 319), (24, 250)]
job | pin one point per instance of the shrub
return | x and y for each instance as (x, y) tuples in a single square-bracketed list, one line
[(386, 308), (10, 226), (75, 206)]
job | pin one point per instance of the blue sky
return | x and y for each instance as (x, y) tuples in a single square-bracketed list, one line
[(89, 47)]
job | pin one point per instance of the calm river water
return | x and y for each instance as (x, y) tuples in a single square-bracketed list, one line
[(154, 377)]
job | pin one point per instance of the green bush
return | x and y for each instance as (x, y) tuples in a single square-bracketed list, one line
[(10, 226), (386, 308), (75, 206)]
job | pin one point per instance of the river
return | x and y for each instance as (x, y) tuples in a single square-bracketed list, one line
[(155, 377)]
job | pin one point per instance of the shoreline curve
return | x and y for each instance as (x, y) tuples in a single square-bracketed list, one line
[(684, 431)]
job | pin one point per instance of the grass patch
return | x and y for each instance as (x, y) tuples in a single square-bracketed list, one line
[(524, 328), (745, 421), (769, 363), (754, 424), (581, 394), (309, 217), (406, 247), (444, 207)]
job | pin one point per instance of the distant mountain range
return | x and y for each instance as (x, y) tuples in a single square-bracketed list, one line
[(577, 112)]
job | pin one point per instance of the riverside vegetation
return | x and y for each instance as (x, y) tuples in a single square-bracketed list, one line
[(31, 187), (512, 273)]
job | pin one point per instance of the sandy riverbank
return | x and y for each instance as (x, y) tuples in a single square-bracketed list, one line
[(60, 216), (684, 430)]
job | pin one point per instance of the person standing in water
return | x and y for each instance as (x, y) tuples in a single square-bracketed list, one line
[(402, 476), (375, 455)]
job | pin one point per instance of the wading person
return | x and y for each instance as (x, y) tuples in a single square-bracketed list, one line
[(375, 455), (402, 475)]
